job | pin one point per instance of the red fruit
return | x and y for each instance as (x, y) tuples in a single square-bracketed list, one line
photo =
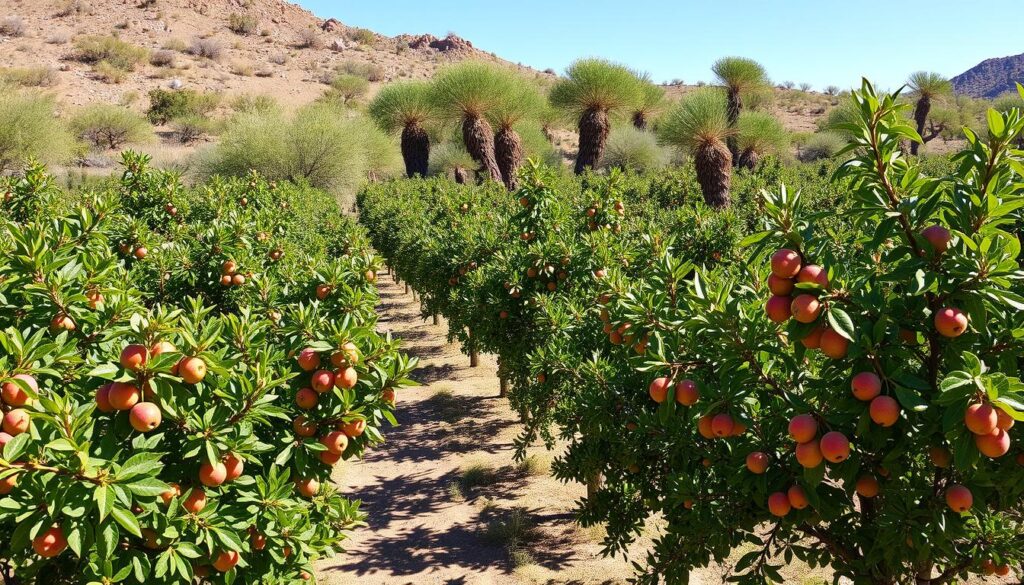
[(303, 427), (306, 398), (309, 359), (938, 236), (213, 475), (704, 427), (866, 386), (50, 543), (835, 447), (328, 458), (4, 439), (785, 263), (259, 542), (141, 252), (62, 321), (192, 370), (993, 445), (959, 498), (659, 389), (323, 291), (234, 465), (738, 428), (308, 487), (1004, 421), (722, 425), (162, 347), (834, 345), (867, 486), (779, 286), (14, 395), (813, 273), (1003, 570), (144, 417), (388, 395), (322, 381), (123, 396), (168, 496), (238, 280), (757, 462), (778, 309), (687, 393), (797, 497), (940, 456), (951, 322), (355, 428), (8, 483), (803, 428), (809, 454), (336, 442), (348, 355), (778, 504), (885, 411), (195, 501), (813, 339), (806, 308), (981, 418), (346, 379), (225, 280), (16, 422), (134, 357), (226, 561)]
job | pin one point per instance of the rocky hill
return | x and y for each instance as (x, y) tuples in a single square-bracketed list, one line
[(991, 77)]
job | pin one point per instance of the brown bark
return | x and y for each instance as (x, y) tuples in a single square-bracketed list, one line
[(593, 129), (713, 163), (639, 120), (921, 111), (479, 138), (415, 150), (461, 177), (508, 151), (749, 159), (733, 109), (594, 483)]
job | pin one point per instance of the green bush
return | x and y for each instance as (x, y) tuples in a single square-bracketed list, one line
[(347, 88), (821, 145), (243, 24), (368, 71), (30, 76), (116, 53), (110, 127), (630, 148), (166, 104), (29, 128), (192, 127)]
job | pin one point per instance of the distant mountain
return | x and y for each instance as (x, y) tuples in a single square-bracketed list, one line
[(991, 77)]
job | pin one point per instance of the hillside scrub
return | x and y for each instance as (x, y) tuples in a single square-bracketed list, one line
[(110, 127), (118, 54), (29, 128)]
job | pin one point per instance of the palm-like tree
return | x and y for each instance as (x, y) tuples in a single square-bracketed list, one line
[(738, 76), (652, 99), (758, 134), (406, 107), (451, 159), (467, 92), (926, 86), (700, 125), (521, 100), (591, 90)]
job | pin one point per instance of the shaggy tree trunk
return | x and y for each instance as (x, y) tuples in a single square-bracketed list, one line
[(593, 128), (415, 150), (461, 176), (639, 120), (479, 138), (924, 106), (508, 151), (713, 163), (749, 159), (735, 105)]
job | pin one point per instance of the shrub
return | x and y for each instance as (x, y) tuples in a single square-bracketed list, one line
[(211, 49), (308, 39), (175, 44), (630, 148), (821, 145), (248, 103), (29, 128), (12, 26), (108, 73), (162, 58), (71, 7), (30, 76), (166, 105), (348, 88), (114, 52), (110, 127), (243, 24), (241, 68), (368, 71), (192, 127), (363, 36), (450, 159), (278, 58)]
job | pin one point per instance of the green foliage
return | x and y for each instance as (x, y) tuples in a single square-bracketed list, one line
[(520, 100), (698, 119), (118, 54), (29, 76), (740, 74), (346, 89), (368, 71), (929, 84), (142, 261), (110, 127), (762, 133), (29, 128), (822, 145), (596, 84), (401, 104), (446, 157), (248, 103), (243, 24), (166, 104), (629, 148), (471, 88)]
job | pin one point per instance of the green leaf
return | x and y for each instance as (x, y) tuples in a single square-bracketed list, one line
[(841, 323), (128, 520)]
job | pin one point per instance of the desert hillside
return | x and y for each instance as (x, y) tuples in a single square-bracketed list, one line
[(992, 77)]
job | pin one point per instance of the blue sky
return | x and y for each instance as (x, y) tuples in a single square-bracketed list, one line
[(821, 42)]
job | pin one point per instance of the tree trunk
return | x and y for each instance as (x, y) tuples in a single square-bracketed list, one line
[(921, 110), (508, 151), (460, 176), (734, 107), (713, 163), (749, 159), (594, 483), (437, 319), (594, 129), (415, 150), (639, 120), (479, 138), (502, 386), (407, 288)]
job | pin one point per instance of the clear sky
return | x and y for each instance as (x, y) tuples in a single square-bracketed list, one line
[(822, 42)]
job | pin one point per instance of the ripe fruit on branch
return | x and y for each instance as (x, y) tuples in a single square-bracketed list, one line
[(328, 458), (813, 273), (780, 286), (813, 339), (722, 425), (346, 378), (835, 447), (959, 498), (704, 427), (336, 442), (307, 487), (687, 392), (213, 475), (226, 561), (229, 267), (144, 417), (323, 291), (388, 395), (225, 280), (778, 309), (309, 359), (13, 394), (809, 454), (238, 280), (103, 398), (234, 465), (786, 263), (803, 428), (981, 418), (885, 411), (659, 389), (61, 321), (195, 501), (951, 322), (303, 427), (778, 504), (123, 396), (941, 457), (16, 422), (867, 486), (354, 428), (938, 236), (348, 355), (141, 252), (866, 386), (192, 370), (50, 543), (167, 496), (322, 381), (306, 398), (993, 445), (797, 497), (162, 347), (757, 462), (833, 344), (1005, 421), (806, 308)]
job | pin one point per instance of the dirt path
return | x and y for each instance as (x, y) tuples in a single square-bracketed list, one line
[(446, 503)]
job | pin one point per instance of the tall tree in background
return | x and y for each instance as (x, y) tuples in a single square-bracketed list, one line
[(758, 134), (590, 91), (522, 100), (406, 107), (652, 100), (700, 125), (738, 76), (926, 86), (467, 92)]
